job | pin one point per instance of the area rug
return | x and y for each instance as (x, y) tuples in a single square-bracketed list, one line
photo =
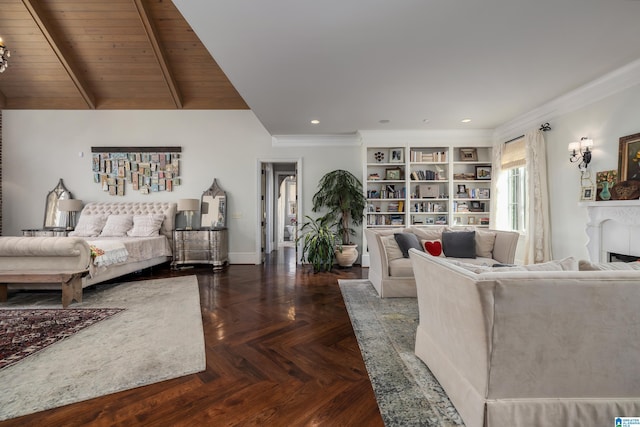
[(158, 336), (25, 332), (406, 391)]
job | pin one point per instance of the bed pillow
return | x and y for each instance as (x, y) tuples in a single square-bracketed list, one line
[(407, 241), (146, 225), (117, 226), (89, 226), (459, 244)]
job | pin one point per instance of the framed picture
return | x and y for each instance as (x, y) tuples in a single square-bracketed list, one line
[(393, 174), (468, 155), (396, 155), (483, 172), (476, 206), (462, 189), (429, 220), (629, 158), (588, 193)]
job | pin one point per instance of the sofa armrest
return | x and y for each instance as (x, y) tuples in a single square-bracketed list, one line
[(378, 261), (504, 248)]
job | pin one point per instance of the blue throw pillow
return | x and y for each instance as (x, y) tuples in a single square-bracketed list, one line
[(407, 241), (459, 244)]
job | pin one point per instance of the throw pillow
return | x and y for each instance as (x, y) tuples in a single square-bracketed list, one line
[(146, 225), (391, 247), (89, 226), (459, 244), (484, 243), (565, 264), (407, 241), (607, 266), (433, 247), (117, 226)]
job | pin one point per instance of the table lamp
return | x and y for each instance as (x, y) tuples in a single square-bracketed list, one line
[(188, 206), (71, 206)]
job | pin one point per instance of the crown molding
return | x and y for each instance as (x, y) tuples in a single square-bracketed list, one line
[(430, 136), (609, 84)]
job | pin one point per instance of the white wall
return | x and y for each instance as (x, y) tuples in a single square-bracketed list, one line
[(604, 121), (40, 147)]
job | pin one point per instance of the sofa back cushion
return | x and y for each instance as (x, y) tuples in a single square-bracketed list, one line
[(391, 247), (484, 243), (605, 266)]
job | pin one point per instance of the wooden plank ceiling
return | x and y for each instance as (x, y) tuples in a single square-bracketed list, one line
[(107, 54)]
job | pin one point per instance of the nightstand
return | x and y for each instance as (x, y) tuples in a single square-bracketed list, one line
[(52, 232), (204, 246)]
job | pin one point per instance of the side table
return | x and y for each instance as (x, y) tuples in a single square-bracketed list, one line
[(202, 246)]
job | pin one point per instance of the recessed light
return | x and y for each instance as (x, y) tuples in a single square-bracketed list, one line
[(384, 121), (315, 122), (465, 120)]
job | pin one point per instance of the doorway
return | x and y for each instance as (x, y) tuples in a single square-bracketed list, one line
[(279, 210)]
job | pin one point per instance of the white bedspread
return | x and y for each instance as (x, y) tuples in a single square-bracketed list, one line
[(111, 252), (136, 248)]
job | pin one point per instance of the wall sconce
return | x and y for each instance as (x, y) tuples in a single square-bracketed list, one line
[(580, 152), (188, 206)]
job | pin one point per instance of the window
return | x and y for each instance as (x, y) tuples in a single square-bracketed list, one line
[(516, 201)]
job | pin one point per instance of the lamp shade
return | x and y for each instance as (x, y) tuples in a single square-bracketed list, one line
[(574, 146), (188, 204), (586, 143), (70, 205)]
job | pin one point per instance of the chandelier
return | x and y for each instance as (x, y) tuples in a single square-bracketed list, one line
[(4, 57)]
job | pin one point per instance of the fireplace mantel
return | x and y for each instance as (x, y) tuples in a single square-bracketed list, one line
[(614, 226)]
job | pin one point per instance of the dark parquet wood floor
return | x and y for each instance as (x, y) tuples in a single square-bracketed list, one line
[(280, 351)]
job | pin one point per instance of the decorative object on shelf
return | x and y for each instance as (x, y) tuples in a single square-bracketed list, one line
[(188, 206), (149, 169), (581, 152), (393, 174), (629, 158), (70, 206), (397, 155), (379, 156), (588, 193), (610, 176), (468, 155), (483, 172), (5, 54), (605, 194), (340, 192), (53, 216), (213, 209), (626, 190)]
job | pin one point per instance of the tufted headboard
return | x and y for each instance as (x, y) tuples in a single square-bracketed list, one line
[(137, 208)]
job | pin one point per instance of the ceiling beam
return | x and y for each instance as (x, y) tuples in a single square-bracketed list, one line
[(80, 84), (159, 53)]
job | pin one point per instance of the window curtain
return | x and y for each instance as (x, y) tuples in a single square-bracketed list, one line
[(529, 151), (538, 239)]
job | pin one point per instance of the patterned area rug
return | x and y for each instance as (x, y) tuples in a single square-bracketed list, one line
[(407, 392), (24, 332)]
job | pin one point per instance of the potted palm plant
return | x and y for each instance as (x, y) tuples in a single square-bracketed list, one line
[(319, 242), (341, 194)]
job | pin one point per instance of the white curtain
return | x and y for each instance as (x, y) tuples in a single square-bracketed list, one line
[(538, 240)]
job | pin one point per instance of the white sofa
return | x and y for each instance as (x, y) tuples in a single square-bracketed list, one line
[(392, 275), (531, 348)]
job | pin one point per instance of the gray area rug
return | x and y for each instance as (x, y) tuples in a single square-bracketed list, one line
[(407, 392), (158, 337)]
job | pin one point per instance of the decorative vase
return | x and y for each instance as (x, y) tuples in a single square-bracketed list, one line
[(605, 194)]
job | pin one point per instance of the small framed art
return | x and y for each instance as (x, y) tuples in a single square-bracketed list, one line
[(396, 155), (588, 193), (468, 155), (483, 172), (393, 174)]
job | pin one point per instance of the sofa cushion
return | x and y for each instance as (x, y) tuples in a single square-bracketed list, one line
[(484, 243), (565, 264), (431, 233), (459, 244), (432, 247), (607, 266), (401, 267), (407, 241), (391, 247)]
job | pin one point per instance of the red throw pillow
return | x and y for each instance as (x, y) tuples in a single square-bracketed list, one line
[(433, 247)]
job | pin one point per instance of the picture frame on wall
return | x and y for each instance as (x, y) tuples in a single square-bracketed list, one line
[(629, 158), (588, 193), (396, 155)]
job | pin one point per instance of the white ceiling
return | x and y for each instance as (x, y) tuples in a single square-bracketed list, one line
[(352, 63)]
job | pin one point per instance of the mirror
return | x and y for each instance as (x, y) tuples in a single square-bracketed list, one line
[(54, 217), (213, 207)]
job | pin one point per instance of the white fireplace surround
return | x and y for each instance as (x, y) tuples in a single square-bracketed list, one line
[(613, 227)]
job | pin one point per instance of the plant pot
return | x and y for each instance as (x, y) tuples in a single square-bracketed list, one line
[(348, 256)]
